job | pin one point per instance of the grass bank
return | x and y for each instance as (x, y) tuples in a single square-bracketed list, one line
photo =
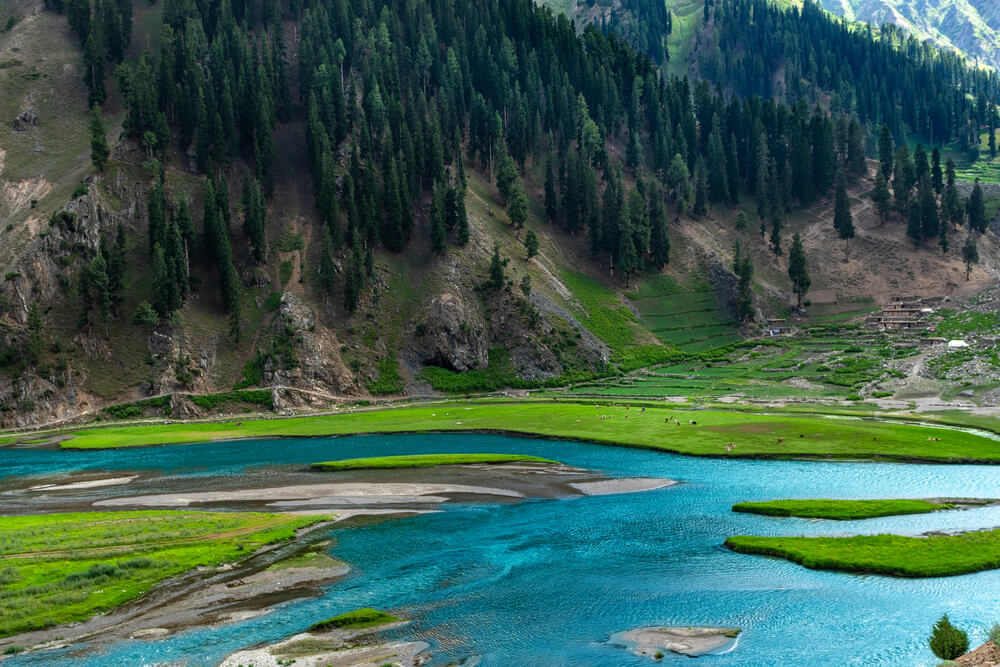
[(423, 461), (840, 510), (893, 555), (721, 433), (359, 618), (61, 568)]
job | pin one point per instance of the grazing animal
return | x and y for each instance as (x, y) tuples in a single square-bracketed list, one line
[(780, 440)]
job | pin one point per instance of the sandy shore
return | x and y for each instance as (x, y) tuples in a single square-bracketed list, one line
[(338, 492), (607, 487), (691, 641), (335, 648), (89, 484)]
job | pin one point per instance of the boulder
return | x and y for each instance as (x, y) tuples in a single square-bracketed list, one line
[(454, 334)]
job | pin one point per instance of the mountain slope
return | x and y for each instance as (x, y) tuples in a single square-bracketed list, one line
[(971, 27), (606, 146)]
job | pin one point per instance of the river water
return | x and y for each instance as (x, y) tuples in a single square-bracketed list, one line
[(546, 582)]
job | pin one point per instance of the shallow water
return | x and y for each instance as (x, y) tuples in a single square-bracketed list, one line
[(546, 582)]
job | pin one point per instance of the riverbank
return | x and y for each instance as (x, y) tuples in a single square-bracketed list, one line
[(850, 510), (351, 646), (725, 434), (61, 568), (931, 555)]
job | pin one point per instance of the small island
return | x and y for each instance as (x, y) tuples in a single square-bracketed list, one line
[(931, 555), (843, 510), (353, 620), (424, 461), (692, 641)]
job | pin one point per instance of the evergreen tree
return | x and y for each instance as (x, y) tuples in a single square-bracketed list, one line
[(776, 222), (438, 229), (93, 60), (254, 212), (659, 242), (914, 222), (929, 222), (921, 167), (497, 278), (937, 179), (976, 209), (507, 178), (551, 201), (797, 269), (518, 208), (700, 192), (743, 268), (99, 151), (327, 267), (970, 254), (842, 220), (886, 150), (531, 243), (948, 642), (952, 207), (880, 196)]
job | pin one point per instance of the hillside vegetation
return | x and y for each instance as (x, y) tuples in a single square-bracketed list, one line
[(328, 201)]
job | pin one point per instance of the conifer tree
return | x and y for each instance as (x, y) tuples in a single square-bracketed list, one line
[(551, 201), (531, 243), (976, 209), (327, 268), (880, 196), (886, 151), (797, 271), (970, 254), (842, 220), (99, 151)]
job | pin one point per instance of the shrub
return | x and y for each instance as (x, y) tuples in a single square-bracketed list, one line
[(262, 397), (995, 634), (79, 190), (948, 642), (272, 302)]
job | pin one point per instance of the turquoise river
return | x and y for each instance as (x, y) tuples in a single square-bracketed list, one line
[(546, 582)]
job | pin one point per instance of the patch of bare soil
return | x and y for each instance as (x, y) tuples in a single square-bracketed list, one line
[(987, 655)]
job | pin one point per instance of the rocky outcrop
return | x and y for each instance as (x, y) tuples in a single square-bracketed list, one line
[(319, 366), (453, 334)]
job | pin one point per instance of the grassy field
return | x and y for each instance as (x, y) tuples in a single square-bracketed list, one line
[(359, 618), (685, 316), (894, 555), (422, 461), (667, 428), (840, 510), (61, 568)]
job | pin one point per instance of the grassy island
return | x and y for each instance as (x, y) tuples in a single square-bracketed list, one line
[(423, 461), (933, 555), (359, 618), (729, 434), (841, 510), (60, 568)]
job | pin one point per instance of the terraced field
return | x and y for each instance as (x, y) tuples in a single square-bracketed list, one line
[(686, 316)]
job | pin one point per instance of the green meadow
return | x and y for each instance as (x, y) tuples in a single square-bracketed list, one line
[(928, 556), (61, 568), (422, 461), (721, 433), (841, 510)]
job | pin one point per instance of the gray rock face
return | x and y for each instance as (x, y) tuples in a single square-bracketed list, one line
[(453, 335)]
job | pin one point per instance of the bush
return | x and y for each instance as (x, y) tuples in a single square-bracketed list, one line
[(995, 634), (948, 642), (79, 190), (262, 397)]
